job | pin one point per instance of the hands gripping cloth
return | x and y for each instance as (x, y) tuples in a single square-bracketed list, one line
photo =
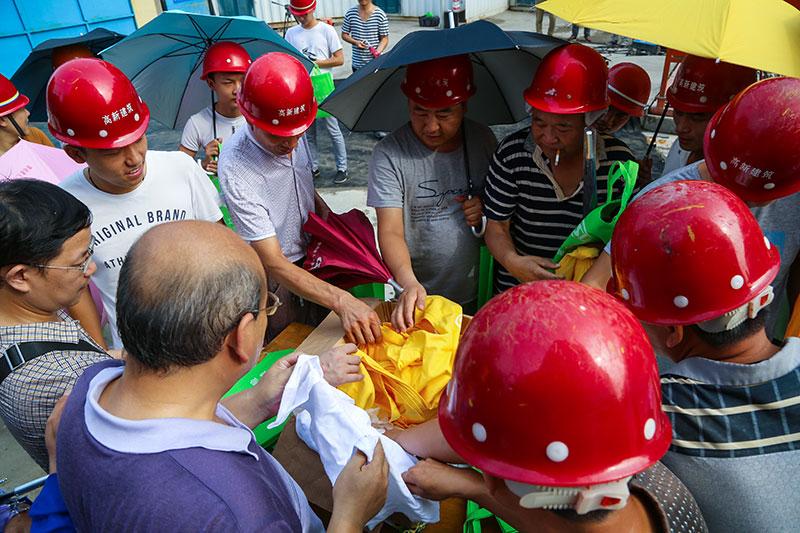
[(331, 425)]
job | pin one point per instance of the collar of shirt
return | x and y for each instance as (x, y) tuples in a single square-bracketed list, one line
[(160, 434), (67, 330), (735, 374)]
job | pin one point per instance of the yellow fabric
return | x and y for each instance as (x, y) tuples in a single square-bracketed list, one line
[(576, 263), (35, 135), (406, 373), (760, 34), (793, 329)]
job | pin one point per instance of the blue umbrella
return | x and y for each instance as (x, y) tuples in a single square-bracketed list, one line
[(32, 76), (164, 58), (503, 66)]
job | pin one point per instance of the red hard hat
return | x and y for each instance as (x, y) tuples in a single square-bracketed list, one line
[(555, 383), (629, 88), (10, 97), (687, 252), (704, 85), (277, 95), (570, 79), (439, 83), (91, 103), (301, 7), (62, 54), (752, 145), (225, 56)]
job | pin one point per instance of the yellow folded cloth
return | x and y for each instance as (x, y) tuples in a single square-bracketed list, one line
[(576, 263), (406, 373)]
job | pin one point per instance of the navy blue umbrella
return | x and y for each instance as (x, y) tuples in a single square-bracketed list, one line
[(503, 66), (32, 76)]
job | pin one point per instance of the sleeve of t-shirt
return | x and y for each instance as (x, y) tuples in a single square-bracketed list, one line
[(384, 188), (347, 22), (251, 218), (205, 198), (383, 28), (334, 44), (191, 136), (500, 191)]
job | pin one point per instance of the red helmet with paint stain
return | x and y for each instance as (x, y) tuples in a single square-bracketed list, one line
[(277, 95), (629, 88), (689, 252), (555, 384), (92, 104), (439, 83), (570, 79), (752, 145), (704, 85), (10, 98), (302, 7), (225, 56)]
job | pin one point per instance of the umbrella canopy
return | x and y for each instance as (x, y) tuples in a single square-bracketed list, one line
[(760, 34), (32, 76), (26, 160), (503, 66), (164, 58), (343, 252)]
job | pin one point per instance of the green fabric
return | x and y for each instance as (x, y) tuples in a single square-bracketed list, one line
[(323, 87), (476, 513), (369, 290), (226, 215), (485, 276)]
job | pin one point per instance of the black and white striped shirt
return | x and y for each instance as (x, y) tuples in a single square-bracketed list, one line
[(371, 30), (521, 188)]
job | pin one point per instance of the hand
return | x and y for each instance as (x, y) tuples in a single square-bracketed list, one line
[(362, 44), (51, 430), (532, 268), (412, 297), (437, 481), (270, 386), (360, 322), (212, 151), (645, 171), (360, 491), (473, 209), (340, 365)]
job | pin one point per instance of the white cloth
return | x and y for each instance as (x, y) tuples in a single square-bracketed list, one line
[(319, 42), (677, 158), (199, 129), (330, 424), (174, 188)]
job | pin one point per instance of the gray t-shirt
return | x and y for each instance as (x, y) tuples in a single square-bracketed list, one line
[(404, 173), (778, 221)]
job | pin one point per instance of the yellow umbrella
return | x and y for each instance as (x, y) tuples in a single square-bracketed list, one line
[(761, 34)]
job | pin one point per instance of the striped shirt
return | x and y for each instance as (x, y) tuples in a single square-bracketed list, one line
[(736, 432), (371, 30), (520, 187)]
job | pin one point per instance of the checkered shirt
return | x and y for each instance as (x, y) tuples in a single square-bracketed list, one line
[(29, 393)]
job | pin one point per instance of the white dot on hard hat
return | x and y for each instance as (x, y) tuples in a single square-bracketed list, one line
[(70, 132), (449, 93), (136, 117), (275, 121), (723, 165), (680, 301), (228, 60), (557, 451), (103, 133), (469, 86), (737, 282), (417, 90), (625, 294), (479, 432), (713, 133), (769, 186), (703, 99), (766, 241), (649, 429)]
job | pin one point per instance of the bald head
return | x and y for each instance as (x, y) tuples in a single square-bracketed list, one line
[(183, 287)]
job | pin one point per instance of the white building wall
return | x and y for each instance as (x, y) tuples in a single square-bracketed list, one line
[(476, 9)]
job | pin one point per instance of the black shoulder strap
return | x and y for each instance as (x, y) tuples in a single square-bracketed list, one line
[(17, 354)]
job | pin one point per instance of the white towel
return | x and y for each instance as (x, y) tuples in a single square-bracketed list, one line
[(331, 425)]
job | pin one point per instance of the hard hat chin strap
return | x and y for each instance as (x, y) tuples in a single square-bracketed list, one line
[(737, 316), (602, 497)]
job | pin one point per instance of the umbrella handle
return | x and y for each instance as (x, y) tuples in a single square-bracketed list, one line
[(479, 233), (396, 286), (655, 133)]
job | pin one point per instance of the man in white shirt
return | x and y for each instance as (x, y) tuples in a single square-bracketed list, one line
[(319, 43), (224, 66), (95, 111)]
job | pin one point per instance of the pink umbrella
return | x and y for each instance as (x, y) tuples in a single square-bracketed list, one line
[(36, 161), (343, 251)]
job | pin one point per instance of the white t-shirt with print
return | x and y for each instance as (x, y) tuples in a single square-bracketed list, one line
[(319, 42), (199, 129), (174, 188), (677, 158)]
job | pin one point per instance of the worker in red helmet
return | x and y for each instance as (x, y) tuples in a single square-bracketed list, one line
[(701, 87), (266, 176), (533, 194), (93, 108), (224, 65), (14, 118), (691, 262), (564, 423), (425, 182), (749, 147)]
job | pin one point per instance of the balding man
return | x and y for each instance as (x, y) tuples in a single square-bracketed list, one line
[(147, 443)]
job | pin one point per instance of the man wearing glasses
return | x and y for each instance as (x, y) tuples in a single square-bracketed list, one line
[(45, 265)]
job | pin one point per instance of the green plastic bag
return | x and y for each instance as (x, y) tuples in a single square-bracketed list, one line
[(485, 276), (323, 87), (476, 513)]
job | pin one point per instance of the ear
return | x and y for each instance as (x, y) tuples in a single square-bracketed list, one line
[(75, 153), (210, 83), (240, 340), (675, 336), (16, 277)]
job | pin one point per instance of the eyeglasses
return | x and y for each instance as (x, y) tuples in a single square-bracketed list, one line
[(271, 308), (83, 267)]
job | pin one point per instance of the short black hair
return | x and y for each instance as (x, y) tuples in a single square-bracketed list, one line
[(591, 517), (36, 218), (746, 329)]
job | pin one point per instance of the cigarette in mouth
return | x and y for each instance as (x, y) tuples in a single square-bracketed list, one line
[(558, 156)]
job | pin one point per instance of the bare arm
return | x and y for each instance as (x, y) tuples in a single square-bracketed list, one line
[(346, 38), (426, 440), (359, 321), (334, 61), (185, 150), (384, 42), (600, 272), (86, 313), (524, 268), (320, 207)]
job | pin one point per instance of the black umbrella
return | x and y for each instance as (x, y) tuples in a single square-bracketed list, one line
[(32, 76)]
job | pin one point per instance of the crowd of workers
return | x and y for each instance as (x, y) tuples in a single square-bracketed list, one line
[(555, 396)]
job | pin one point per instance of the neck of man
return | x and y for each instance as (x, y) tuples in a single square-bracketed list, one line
[(15, 310), (753, 349), (311, 21), (633, 518), (8, 139), (228, 110), (367, 9)]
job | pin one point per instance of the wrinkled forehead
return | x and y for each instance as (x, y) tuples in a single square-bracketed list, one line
[(555, 119)]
